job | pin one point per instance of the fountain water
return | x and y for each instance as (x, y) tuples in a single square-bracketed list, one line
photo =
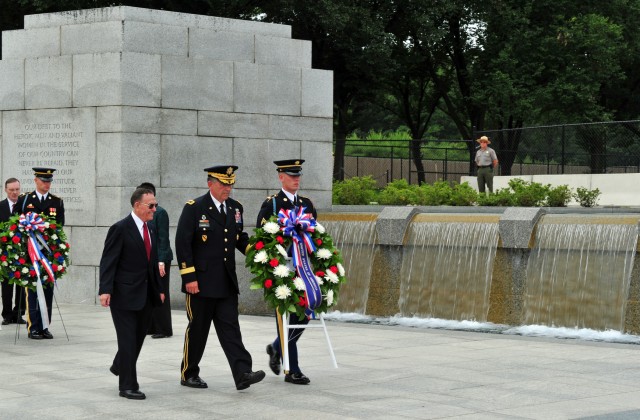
[(579, 272), (355, 236), (447, 267)]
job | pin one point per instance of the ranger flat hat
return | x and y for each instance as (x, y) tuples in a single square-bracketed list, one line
[(223, 173), (291, 167), (44, 174), (484, 138)]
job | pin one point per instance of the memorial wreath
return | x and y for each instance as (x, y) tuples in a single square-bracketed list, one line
[(293, 259), (32, 246)]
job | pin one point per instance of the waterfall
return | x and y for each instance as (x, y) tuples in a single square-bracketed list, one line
[(446, 270), (355, 236), (578, 274)]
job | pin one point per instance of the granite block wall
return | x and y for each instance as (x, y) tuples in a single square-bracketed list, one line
[(117, 96)]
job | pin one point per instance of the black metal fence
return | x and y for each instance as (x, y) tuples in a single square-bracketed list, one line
[(611, 147)]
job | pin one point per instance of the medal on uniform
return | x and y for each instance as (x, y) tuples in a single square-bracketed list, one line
[(204, 224)]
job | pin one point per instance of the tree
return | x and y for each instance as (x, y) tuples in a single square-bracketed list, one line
[(348, 38)]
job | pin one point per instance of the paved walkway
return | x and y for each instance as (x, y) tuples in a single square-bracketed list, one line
[(385, 373)]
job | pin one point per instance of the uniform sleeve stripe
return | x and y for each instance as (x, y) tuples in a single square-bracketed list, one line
[(188, 270)]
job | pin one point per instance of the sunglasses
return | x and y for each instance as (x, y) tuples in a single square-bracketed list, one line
[(149, 205)]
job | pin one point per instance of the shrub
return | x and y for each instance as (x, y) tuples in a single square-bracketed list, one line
[(528, 194), (354, 191), (587, 197), (559, 196), (463, 195), (503, 197), (399, 192), (437, 194)]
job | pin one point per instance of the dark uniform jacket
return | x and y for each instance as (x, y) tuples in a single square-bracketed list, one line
[(161, 223), (52, 207), (5, 214), (282, 202), (125, 272), (206, 243)]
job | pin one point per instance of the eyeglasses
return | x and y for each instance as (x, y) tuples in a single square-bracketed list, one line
[(149, 205)]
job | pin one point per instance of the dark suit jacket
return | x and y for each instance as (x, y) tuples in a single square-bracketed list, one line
[(206, 243), (282, 202), (161, 223), (4, 210), (125, 272), (52, 206)]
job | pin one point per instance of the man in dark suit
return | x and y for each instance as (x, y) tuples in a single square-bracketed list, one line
[(210, 229), (161, 326), (11, 316), (289, 173), (130, 285), (40, 201)]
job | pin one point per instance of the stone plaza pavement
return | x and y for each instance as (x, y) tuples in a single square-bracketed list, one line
[(385, 372)]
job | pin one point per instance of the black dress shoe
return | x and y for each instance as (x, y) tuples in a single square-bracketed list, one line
[(160, 336), (132, 395), (296, 378), (6, 321), (113, 370), (194, 382), (35, 335), (249, 378), (46, 334), (274, 359), (20, 321)]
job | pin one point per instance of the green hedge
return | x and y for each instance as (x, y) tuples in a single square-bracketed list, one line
[(520, 193)]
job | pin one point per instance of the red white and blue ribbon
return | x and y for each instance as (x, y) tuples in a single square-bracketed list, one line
[(33, 225), (299, 225)]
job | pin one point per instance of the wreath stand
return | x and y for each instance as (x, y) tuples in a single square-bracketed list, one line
[(284, 321)]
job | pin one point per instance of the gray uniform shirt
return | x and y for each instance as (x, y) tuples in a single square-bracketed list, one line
[(485, 157)]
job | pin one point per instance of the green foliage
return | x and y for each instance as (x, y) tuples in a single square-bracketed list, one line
[(463, 195), (354, 191), (401, 193), (520, 193), (586, 197), (528, 194), (502, 198), (438, 194), (559, 196)]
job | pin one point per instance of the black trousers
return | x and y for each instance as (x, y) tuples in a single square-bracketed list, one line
[(294, 336), (34, 320), (131, 329), (161, 318), (201, 311), (9, 310)]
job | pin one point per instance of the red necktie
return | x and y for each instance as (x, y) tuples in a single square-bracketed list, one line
[(147, 240)]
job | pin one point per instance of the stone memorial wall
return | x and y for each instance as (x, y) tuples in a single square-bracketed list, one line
[(117, 96)]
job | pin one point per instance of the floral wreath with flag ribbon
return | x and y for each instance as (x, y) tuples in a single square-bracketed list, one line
[(33, 246), (293, 260)]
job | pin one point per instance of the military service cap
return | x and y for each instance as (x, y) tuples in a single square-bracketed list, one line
[(291, 167), (44, 174), (223, 173)]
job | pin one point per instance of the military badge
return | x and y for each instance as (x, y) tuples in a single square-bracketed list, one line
[(30, 206), (204, 238), (238, 216)]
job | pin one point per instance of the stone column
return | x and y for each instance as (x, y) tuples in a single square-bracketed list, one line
[(384, 288), (516, 229), (117, 96)]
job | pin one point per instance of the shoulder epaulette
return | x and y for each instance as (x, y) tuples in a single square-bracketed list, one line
[(191, 202), (55, 196)]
